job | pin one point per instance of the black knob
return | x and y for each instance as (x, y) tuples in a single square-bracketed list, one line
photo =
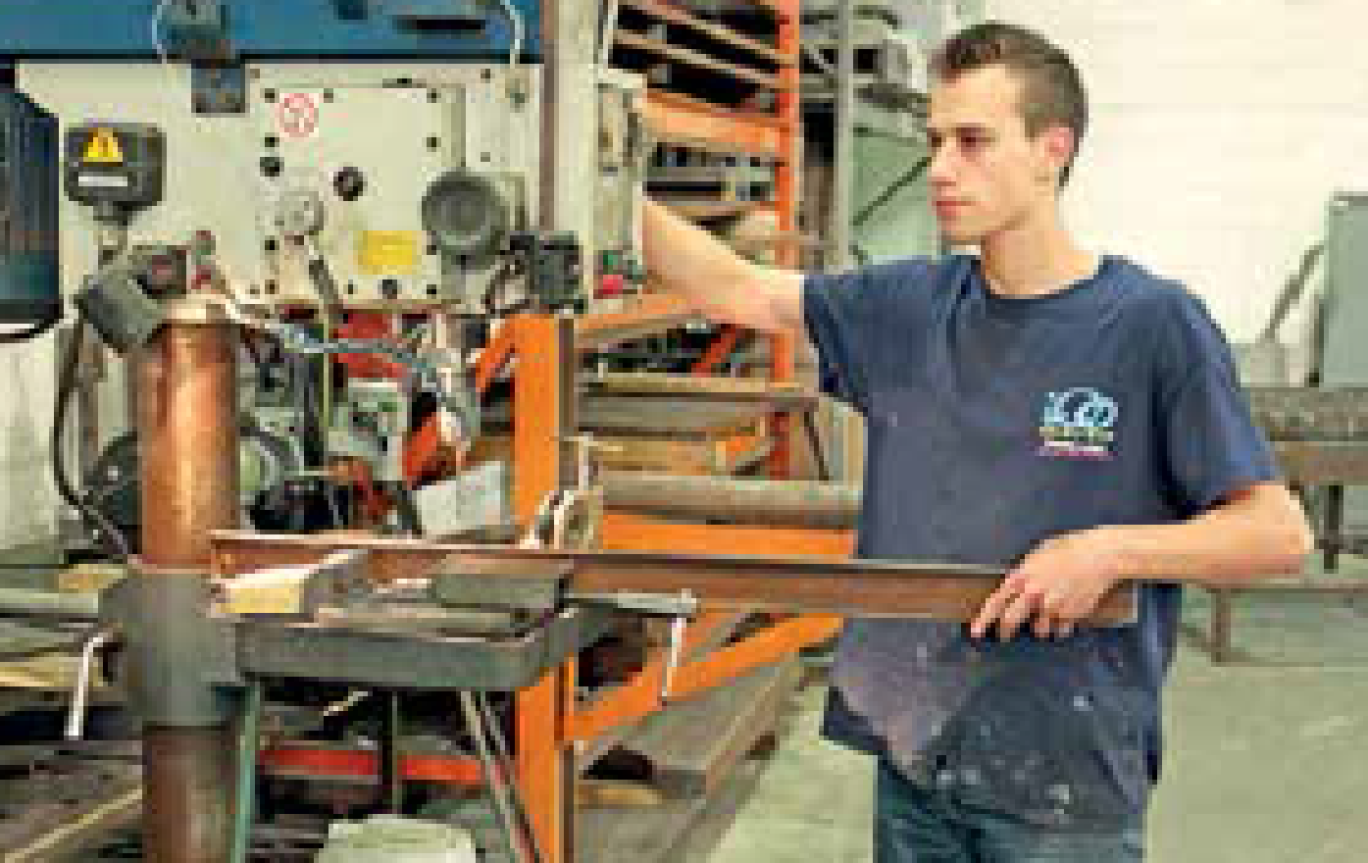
[(349, 183), (389, 289), (271, 166)]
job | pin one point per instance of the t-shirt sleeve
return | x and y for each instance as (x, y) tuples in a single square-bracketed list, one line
[(837, 310), (1212, 445), (852, 318)]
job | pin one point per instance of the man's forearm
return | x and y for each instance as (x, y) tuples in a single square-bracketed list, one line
[(713, 278), (1235, 543)]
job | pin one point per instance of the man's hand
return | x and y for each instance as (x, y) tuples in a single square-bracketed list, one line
[(1058, 584)]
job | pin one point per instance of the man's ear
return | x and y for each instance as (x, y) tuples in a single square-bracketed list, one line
[(1059, 145)]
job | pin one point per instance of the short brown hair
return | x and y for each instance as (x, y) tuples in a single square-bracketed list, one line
[(1051, 89)]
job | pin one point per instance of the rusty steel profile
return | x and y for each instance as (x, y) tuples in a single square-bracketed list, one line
[(804, 584)]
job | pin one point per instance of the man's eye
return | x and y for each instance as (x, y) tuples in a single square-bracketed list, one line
[(973, 142)]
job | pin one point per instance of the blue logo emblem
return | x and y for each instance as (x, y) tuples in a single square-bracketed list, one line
[(1078, 423)]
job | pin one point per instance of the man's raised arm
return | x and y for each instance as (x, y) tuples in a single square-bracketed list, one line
[(715, 280)]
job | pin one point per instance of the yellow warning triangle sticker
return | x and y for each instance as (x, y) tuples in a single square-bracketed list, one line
[(104, 148)]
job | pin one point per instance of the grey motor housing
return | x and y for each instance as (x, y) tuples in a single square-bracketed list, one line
[(30, 191)]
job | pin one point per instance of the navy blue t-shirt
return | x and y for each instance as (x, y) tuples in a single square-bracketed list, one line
[(992, 424)]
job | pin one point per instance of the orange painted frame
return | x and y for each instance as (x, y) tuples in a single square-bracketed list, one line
[(549, 723)]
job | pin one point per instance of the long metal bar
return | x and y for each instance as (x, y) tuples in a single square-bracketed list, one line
[(655, 313), (625, 531), (794, 503), (871, 588)]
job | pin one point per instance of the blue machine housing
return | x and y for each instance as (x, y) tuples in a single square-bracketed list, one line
[(266, 29)]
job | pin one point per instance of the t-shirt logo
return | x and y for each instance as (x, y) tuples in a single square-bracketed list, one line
[(1078, 423)]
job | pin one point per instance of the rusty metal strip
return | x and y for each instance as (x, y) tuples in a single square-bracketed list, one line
[(803, 584), (655, 313)]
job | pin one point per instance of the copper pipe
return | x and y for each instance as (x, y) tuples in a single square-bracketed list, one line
[(187, 424), (187, 792)]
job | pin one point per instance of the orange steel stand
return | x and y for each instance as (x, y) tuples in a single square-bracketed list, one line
[(543, 417), (550, 724)]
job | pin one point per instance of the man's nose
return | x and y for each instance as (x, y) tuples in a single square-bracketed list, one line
[(943, 166)]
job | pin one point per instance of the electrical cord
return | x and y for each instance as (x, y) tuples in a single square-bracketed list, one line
[(66, 390)]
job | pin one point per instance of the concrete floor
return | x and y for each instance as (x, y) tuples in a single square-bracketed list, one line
[(1267, 761)]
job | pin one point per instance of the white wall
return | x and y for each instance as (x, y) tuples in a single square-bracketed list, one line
[(1220, 129)]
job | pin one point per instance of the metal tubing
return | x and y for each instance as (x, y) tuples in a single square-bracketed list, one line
[(493, 776), (187, 776), (736, 501), (187, 423)]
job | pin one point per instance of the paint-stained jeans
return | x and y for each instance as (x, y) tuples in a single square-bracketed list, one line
[(915, 825)]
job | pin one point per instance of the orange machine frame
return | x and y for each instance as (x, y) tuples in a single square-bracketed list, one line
[(550, 723)]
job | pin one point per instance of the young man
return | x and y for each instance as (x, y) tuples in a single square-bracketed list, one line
[(1039, 406)]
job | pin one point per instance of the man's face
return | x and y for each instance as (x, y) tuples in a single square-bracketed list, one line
[(987, 175)]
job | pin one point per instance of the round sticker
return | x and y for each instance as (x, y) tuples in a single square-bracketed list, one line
[(297, 115)]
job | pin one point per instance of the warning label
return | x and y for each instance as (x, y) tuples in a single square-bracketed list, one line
[(103, 148), (297, 115), (388, 252)]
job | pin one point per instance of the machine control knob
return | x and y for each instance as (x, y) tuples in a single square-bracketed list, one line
[(299, 213), (349, 183)]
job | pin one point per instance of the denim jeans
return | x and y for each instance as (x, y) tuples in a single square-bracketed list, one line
[(913, 824)]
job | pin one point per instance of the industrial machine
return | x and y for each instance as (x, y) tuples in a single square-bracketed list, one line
[(371, 217)]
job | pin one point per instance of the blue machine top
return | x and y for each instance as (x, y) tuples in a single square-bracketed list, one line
[(264, 29)]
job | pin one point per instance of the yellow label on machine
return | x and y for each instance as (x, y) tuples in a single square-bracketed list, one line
[(104, 148), (388, 252)]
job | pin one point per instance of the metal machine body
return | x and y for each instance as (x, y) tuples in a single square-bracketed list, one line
[(330, 162), (399, 174)]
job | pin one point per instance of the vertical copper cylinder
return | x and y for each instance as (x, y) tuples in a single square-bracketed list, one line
[(187, 794), (188, 427)]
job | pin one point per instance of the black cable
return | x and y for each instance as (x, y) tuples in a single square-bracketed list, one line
[(818, 455), (66, 390)]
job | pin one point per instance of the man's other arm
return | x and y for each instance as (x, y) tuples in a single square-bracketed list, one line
[(1259, 531), (715, 280)]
